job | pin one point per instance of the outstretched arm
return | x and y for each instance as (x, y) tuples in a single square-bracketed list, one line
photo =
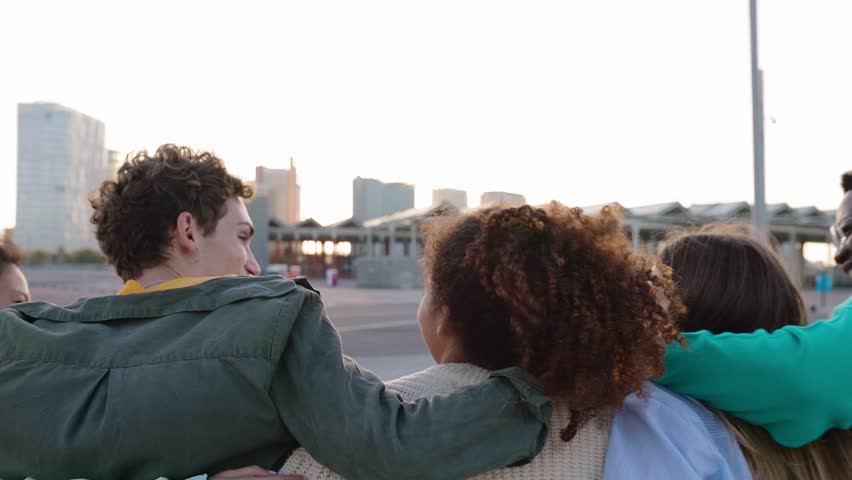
[(346, 419), (794, 382)]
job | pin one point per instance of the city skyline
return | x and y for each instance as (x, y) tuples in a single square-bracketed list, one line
[(563, 101)]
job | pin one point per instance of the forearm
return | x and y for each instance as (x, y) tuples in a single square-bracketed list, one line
[(793, 382)]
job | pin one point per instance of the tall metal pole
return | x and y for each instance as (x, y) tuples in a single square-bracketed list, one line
[(759, 217)]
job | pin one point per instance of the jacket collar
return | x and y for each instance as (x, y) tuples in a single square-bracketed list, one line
[(206, 296)]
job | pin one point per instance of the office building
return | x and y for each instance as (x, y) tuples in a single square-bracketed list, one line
[(61, 159), (281, 188), (373, 199), (490, 199), (114, 162), (456, 198)]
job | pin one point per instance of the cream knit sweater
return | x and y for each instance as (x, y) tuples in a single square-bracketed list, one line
[(582, 458)]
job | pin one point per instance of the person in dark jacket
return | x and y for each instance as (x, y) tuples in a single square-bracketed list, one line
[(198, 365)]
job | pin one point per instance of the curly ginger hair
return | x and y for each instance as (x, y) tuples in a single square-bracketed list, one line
[(557, 293)]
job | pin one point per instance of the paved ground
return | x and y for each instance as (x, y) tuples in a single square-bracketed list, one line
[(378, 327)]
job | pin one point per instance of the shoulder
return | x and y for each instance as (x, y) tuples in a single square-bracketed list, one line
[(673, 415), (670, 435), (438, 380)]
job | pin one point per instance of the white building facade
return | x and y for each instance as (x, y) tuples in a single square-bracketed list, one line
[(61, 159), (456, 198), (506, 199), (114, 162), (372, 198), (281, 188)]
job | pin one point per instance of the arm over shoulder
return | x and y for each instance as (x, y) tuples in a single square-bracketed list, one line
[(347, 420), (794, 382)]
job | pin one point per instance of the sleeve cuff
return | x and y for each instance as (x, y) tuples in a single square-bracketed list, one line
[(529, 392)]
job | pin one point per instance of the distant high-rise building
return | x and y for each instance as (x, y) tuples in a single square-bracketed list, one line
[(456, 198), (489, 199), (61, 159), (372, 198), (253, 185), (113, 164), (281, 187), (367, 198)]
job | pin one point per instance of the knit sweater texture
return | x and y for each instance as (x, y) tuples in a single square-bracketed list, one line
[(580, 459)]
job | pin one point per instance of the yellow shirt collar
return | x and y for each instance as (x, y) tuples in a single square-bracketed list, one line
[(133, 287)]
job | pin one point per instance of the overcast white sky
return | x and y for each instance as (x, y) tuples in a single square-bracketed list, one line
[(584, 102)]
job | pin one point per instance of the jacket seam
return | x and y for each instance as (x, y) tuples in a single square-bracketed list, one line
[(275, 331), (116, 367), (269, 360)]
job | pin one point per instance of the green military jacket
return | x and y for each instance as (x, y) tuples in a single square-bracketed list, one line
[(232, 372)]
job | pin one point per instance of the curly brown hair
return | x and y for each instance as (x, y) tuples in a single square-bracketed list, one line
[(135, 215), (558, 293)]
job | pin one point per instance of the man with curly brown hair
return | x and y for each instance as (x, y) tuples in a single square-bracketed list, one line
[(197, 365)]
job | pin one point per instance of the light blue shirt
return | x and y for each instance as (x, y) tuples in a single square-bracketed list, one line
[(670, 436)]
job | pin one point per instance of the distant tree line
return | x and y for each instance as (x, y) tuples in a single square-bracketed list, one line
[(85, 255)]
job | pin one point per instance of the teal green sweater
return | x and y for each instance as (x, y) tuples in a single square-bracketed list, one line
[(794, 382)]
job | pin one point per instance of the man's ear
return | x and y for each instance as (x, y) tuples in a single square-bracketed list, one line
[(184, 236)]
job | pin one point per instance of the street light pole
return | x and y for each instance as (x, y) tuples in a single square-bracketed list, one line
[(759, 217)]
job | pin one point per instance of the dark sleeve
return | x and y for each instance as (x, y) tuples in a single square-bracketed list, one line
[(346, 419)]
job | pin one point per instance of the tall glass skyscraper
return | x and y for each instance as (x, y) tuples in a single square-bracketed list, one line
[(61, 158)]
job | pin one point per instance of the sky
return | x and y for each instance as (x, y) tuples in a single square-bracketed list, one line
[(577, 101)]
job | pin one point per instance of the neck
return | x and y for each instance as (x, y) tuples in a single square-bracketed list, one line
[(158, 274), (453, 353)]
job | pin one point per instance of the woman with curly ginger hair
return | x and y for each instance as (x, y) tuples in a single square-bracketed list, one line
[(556, 292)]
